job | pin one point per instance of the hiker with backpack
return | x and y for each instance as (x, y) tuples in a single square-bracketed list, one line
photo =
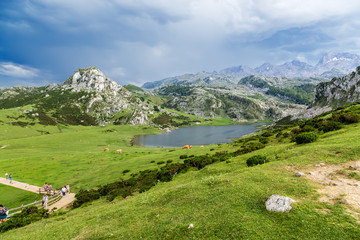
[(3, 213)]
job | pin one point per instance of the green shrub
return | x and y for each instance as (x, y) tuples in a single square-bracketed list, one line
[(306, 137), (27, 216), (330, 126), (256, 160), (267, 134), (349, 118), (160, 162), (169, 161), (126, 171), (263, 140), (183, 156)]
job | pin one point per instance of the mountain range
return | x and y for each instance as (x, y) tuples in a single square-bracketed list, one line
[(329, 66)]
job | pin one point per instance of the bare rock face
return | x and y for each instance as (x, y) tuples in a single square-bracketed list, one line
[(106, 97), (92, 79), (277, 203)]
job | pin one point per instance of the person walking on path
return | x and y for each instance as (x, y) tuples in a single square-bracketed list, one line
[(63, 190), (6, 176), (45, 187), (44, 201), (10, 178), (68, 188), (3, 213), (50, 188)]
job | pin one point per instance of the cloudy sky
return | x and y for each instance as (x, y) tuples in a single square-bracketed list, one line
[(134, 41)]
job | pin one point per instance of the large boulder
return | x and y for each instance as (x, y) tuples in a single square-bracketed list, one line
[(278, 203)]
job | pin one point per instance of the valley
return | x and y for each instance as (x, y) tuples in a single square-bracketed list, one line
[(82, 133)]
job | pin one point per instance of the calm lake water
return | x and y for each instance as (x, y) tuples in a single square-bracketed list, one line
[(197, 135)]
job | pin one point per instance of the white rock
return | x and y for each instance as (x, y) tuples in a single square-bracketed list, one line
[(317, 165), (278, 203), (191, 226), (299, 174)]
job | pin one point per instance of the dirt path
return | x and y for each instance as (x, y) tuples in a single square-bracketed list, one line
[(338, 184), (23, 186), (64, 201)]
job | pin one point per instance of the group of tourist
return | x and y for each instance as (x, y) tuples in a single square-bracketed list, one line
[(65, 189), (8, 177), (47, 188)]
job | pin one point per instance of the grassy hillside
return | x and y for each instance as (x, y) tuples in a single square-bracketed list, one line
[(13, 197), (225, 200), (74, 154)]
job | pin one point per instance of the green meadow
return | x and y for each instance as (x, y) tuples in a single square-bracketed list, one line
[(13, 197), (224, 200)]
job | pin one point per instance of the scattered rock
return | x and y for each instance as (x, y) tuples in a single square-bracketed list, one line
[(312, 173), (191, 226), (322, 164), (317, 165), (278, 203), (299, 174), (355, 166), (343, 201)]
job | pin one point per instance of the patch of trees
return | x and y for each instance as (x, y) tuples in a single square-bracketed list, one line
[(302, 94)]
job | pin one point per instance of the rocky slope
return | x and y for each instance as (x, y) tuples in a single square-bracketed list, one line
[(338, 92), (88, 97), (237, 102)]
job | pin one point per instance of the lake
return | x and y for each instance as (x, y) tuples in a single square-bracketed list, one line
[(197, 135)]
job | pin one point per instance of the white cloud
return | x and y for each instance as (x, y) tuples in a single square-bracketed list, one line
[(17, 71)]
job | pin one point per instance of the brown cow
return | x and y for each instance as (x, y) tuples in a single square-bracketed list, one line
[(106, 149), (118, 151), (202, 146), (187, 147)]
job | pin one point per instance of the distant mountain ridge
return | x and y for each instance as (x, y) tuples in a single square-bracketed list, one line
[(329, 66)]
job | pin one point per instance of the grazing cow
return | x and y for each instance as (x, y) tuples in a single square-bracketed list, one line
[(186, 147), (190, 146), (202, 146), (118, 151), (106, 149)]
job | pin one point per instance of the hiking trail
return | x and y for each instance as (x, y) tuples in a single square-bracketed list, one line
[(64, 201)]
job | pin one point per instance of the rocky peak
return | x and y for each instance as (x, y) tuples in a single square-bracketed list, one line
[(340, 91), (92, 79)]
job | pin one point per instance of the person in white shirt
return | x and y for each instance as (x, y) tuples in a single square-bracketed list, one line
[(63, 190), (44, 200)]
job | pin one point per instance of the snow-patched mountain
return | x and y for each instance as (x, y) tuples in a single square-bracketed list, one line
[(329, 66)]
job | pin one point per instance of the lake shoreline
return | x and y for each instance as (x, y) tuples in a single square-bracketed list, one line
[(201, 137)]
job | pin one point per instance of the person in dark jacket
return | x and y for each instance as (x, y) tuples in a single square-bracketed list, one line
[(3, 213)]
